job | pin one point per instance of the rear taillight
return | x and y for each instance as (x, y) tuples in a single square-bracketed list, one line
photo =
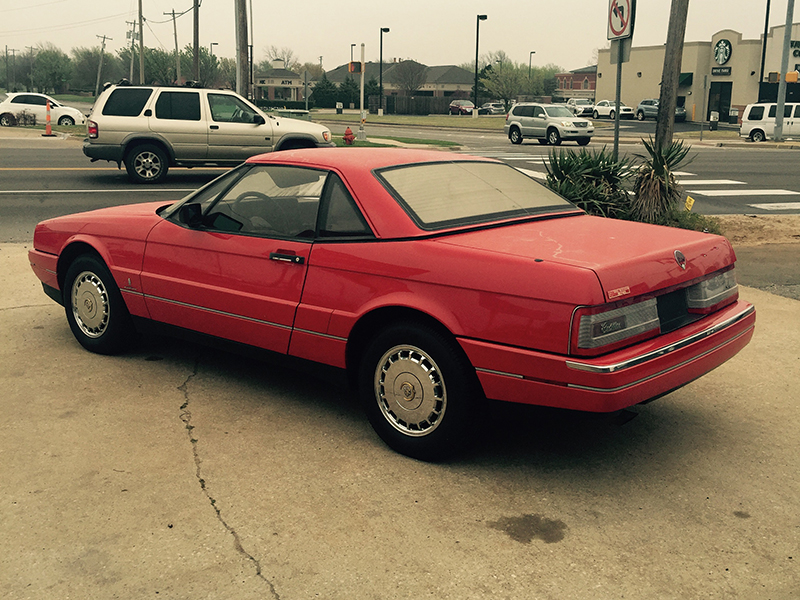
[(603, 328), (92, 129), (712, 294)]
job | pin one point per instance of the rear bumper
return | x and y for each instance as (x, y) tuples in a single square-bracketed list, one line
[(112, 152), (619, 379)]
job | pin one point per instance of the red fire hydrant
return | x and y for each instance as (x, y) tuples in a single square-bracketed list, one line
[(348, 137)]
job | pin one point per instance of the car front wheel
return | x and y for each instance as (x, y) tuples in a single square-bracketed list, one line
[(640, 116), (96, 312), (553, 137), (611, 115), (758, 136), (418, 390), (595, 115), (7, 120), (64, 121), (515, 135), (146, 164), (583, 141)]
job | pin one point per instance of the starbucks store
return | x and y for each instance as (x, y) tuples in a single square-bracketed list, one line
[(722, 75)]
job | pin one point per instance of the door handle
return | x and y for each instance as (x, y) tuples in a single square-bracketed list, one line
[(214, 127), (290, 258)]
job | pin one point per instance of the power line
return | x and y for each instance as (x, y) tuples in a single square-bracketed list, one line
[(13, 32)]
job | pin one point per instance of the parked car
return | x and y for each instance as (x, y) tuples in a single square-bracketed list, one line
[(547, 123), (581, 106), (758, 121), (36, 104), (648, 109), (434, 281), (607, 108), (151, 129), (492, 108), (461, 107)]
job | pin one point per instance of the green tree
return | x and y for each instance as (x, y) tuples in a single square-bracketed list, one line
[(350, 91), (51, 69), (325, 93), (159, 66), (505, 82), (227, 73), (408, 75)]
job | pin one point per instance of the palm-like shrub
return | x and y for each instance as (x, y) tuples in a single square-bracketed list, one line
[(656, 193), (592, 180)]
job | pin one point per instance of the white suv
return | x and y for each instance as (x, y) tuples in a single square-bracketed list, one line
[(152, 128), (548, 123)]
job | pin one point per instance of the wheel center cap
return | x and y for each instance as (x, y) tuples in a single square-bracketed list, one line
[(88, 304), (408, 392)]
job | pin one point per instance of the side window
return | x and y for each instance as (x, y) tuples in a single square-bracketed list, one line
[(270, 201), (39, 100), (25, 99), (538, 111), (181, 106), (797, 111), (756, 113), (126, 102), (340, 216), (229, 109), (772, 111)]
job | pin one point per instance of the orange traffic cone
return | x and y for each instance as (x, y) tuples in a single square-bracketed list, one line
[(48, 131)]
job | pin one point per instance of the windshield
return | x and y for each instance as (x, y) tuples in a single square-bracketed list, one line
[(558, 111), (443, 195)]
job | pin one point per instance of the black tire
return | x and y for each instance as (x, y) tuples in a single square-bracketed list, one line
[(146, 164), (583, 141), (542, 141), (758, 136), (418, 391), (553, 137), (65, 120), (595, 115), (7, 120), (611, 115), (515, 135), (640, 115), (96, 312)]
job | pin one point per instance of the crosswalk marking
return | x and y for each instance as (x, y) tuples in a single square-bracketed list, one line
[(745, 192), (777, 206), (710, 182)]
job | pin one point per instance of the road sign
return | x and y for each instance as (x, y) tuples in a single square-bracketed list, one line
[(620, 19)]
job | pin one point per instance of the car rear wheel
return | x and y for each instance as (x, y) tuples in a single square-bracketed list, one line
[(96, 312), (65, 120), (553, 137), (595, 115), (7, 120), (640, 116), (583, 141), (146, 164), (419, 391), (758, 136), (515, 135), (611, 115)]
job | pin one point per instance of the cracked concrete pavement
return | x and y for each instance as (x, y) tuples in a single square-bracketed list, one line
[(179, 471)]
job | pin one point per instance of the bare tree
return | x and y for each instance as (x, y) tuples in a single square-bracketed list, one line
[(409, 76), (671, 73)]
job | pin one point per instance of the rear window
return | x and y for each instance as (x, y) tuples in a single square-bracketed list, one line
[(756, 113), (442, 195), (126, 102)]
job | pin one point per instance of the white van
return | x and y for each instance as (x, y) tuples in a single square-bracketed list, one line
[(758, 121)]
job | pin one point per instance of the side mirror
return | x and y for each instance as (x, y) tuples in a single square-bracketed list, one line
[(191, 215), (258, 120)]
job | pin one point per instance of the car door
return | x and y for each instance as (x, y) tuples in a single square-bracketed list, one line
[(179, 118), (231, 262), (792, 128), (539, 123), (235, 130), (525, 116), (32, 104)]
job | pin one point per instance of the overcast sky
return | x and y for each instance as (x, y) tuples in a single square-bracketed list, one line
[(432, 32)]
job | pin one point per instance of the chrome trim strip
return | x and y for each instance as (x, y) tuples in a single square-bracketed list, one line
[(633, 362), (213, 310), (325, 335), (654, 375), (514, 375)]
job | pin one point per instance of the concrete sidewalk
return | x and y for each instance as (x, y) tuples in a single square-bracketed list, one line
[(178, 471)]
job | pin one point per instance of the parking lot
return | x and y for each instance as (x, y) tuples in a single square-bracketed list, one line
[(179, 471)]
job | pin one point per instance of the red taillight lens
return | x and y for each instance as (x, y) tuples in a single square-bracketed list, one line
[(92, 129), (598, 329)]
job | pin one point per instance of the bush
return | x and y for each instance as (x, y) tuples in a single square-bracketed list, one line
[(683, 219), (656, 193), (592, 180)]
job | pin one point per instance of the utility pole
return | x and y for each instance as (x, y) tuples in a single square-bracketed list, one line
[(132, 35), (241, 48), (787, 42), (671, 73), (177, 53), (8, 81), (196, 43), (252, 87), (13, 68), (100, 66), (141, 46)]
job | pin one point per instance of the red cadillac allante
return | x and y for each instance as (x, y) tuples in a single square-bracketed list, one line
[(435, 280)]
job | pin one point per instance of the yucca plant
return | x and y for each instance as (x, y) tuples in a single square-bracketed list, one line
[(592, 180), (656, 193)]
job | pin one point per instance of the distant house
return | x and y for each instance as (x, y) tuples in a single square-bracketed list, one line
[(580, 83), (279, 83), (440, 81)]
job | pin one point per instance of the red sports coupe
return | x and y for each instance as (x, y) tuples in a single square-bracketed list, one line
[(435, 280)]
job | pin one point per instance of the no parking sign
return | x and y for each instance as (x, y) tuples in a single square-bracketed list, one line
[(620, 19)]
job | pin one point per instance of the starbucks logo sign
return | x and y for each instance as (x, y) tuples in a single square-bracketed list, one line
[(722, 52)]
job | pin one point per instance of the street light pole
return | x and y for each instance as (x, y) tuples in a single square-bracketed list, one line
[(477, 45), (211, 48), (351, 51), (380, 71), (530, 58)]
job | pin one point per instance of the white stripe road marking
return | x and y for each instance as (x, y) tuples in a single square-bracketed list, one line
[(534, 174), (147, 191), (745, 192), (683, 174), (710, 182), (778, 206)]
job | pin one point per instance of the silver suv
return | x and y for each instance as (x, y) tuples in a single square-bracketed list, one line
[(548, 123), (153, 128)]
